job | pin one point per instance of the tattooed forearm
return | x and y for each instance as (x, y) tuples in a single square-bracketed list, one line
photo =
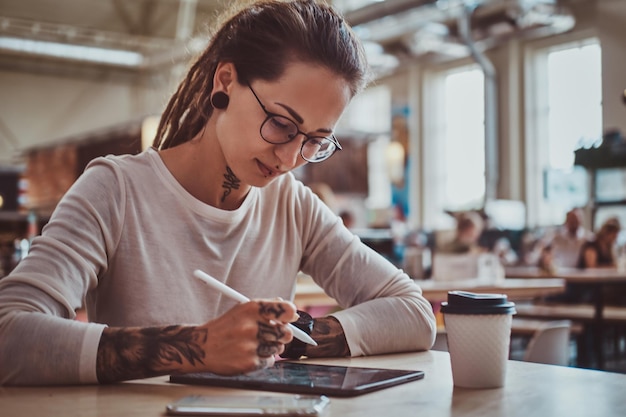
[(231, 182), (131, 353), (331, 341)]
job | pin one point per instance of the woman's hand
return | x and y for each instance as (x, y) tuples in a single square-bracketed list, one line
[(245, 338), (248, 336)]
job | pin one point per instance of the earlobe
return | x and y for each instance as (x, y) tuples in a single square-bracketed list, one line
[(220, 100)]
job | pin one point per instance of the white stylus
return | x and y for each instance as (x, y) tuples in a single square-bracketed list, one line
[(229, 292)]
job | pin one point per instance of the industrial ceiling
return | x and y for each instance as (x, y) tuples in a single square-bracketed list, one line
[(137, 38), (143, 35)]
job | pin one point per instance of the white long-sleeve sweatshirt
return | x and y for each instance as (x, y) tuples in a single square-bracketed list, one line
[(126, 238)]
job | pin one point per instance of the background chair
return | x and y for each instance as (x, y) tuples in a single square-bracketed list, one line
[(550, 344)]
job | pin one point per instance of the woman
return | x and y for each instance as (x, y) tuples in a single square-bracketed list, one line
[(596, 252), (214, 194), (599, 251)]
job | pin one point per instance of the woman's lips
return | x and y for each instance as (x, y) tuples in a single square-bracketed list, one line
[(265, 170)]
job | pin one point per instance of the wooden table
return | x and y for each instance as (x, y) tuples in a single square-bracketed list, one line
[(308, 294), (530, 390), (515, 289), (571, 275), (595, 280)]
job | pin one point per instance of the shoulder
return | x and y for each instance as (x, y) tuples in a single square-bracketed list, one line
[(289, 189), (122, 163), (119, 168), (289, 194), (105, 180)]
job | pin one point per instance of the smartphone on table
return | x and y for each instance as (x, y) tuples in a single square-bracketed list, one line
[(253, 405)]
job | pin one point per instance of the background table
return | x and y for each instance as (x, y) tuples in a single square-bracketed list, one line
[(515, 289), (597, 281), (530, 390), (574, 275), (308, 294)]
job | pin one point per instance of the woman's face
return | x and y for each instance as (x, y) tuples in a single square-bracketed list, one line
[(311, 96)]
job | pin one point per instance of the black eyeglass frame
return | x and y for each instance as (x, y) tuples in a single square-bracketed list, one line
[(270, 115)]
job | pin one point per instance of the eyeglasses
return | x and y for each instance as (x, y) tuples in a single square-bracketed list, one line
[(277, 130)]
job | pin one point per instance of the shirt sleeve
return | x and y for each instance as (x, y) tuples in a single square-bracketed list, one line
[(40, 343), (383, 310)]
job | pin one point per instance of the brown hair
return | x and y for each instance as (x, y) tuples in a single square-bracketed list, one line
[(610, 225), (260, 40)]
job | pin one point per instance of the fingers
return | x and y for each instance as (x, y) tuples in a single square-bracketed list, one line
[(266, 350), (271, 338), (257, 331), (273, 334), (279, 310), (265, 362), (251, 334)]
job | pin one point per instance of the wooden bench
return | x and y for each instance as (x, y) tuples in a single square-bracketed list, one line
[(528, 327), (574, 312)]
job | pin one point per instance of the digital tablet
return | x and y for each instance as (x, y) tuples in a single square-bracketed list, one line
[(307, 378)]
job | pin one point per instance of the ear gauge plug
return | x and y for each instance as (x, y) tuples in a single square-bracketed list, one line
[(220, 100)]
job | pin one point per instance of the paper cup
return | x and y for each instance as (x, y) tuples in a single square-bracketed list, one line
[(478, 328)]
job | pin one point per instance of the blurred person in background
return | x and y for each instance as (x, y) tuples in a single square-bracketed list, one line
[(469, 227), (562, 248), (599, 251)]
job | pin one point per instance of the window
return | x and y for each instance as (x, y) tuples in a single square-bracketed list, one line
[(564, 113), (465, 139), (455, 137), (574, 100)]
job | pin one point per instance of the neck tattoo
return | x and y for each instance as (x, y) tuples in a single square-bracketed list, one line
[(231, 182)]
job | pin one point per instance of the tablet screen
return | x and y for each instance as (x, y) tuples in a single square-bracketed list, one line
[(306, 378)]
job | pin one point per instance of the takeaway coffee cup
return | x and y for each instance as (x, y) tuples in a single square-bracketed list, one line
[(478, 327)]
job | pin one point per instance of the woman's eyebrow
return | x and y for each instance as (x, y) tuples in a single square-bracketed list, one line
[(299, 118), (292, 112)]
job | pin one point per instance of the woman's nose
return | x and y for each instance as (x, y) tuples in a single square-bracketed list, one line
[(289, 153)]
